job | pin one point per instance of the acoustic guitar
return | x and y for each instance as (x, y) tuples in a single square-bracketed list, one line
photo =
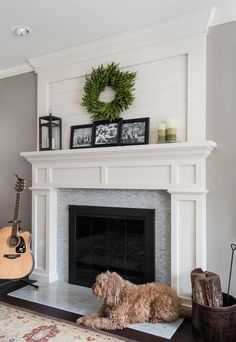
[(16, 260)]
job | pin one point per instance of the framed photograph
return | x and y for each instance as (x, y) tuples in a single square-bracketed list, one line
[(106, 133), (135, 131), (81, 136)]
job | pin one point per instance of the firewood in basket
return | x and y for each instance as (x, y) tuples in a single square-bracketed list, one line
[(212, 287), (198, 291)]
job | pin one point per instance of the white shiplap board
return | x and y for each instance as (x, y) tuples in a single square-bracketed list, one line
[(160, 93)]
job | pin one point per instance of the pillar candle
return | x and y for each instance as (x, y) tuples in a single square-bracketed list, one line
[(171, 130), (162, 133)]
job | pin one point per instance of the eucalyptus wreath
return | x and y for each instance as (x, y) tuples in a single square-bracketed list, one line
[(109, 76)]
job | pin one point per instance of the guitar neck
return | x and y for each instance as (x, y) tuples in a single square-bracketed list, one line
[(16, 215)]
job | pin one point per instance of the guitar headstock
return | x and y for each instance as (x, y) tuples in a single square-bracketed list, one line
[(20, 184)]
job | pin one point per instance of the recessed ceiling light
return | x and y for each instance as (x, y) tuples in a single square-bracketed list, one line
[(21, 30)]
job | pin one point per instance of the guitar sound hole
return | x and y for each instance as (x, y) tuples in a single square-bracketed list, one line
[(14, 241)]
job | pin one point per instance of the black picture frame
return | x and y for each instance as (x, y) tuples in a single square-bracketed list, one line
[(106, 133), (135, 131), (81, 136)]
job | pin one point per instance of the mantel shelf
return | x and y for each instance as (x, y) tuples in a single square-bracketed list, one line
[(167, 150)]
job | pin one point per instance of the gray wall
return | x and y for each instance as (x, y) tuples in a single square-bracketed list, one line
[(221, 165), (17, 134)]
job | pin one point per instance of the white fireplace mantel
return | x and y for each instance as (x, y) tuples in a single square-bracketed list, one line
[(154, 166), (179, 168)]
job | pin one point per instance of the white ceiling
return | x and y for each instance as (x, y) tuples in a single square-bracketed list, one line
[(58, 24)]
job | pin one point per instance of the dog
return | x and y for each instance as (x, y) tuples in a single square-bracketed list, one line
[(126, 303)]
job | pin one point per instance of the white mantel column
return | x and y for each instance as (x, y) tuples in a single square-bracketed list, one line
[(44, 234), (188, 238)]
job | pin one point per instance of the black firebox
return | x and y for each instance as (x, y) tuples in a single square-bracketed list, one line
[(114, 239)]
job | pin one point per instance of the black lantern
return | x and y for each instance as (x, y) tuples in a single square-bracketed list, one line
[(49, 133)]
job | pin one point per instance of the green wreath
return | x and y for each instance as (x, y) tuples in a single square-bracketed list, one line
[(110, 76)]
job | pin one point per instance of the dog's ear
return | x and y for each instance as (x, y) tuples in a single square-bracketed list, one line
[(115, 285), (117, 277)]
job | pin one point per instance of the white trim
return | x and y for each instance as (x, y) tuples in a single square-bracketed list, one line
[(43, 278), (157, 151), (190, 191), (224, 15), (163, 31), (44, 244), (17, 70)]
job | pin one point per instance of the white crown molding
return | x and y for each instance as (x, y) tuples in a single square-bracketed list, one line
[(224, 15), (163, 31), (17, 70)]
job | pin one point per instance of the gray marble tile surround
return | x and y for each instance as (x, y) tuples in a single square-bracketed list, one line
[(150, 199)]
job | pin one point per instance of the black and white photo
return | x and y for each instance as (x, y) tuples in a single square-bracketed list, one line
[(81, 136), (106, 133), (135, 131)]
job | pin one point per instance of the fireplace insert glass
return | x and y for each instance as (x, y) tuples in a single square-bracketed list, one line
[(114, 239)]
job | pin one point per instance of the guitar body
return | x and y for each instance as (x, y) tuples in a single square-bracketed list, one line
[(15, 262)]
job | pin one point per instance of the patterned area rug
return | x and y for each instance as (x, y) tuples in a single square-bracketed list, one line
[(18, 325)]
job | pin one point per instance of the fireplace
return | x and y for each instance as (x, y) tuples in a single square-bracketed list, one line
[(178, 169), (179, 56), (111, 238)]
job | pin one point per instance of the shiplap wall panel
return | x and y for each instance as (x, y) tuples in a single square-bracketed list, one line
[(160, 93)]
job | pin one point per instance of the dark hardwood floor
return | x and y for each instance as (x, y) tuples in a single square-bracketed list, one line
[(183, 334)]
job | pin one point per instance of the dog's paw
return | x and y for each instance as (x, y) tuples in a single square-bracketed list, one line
[(85, 321), (80, 320), (156, 320)]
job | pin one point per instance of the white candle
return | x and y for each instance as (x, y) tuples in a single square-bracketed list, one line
[(162, 132), (162, 126), (53, 143), (170, 123), (170, 131)]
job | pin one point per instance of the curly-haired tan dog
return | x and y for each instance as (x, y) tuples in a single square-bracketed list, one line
[(126, 303)]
